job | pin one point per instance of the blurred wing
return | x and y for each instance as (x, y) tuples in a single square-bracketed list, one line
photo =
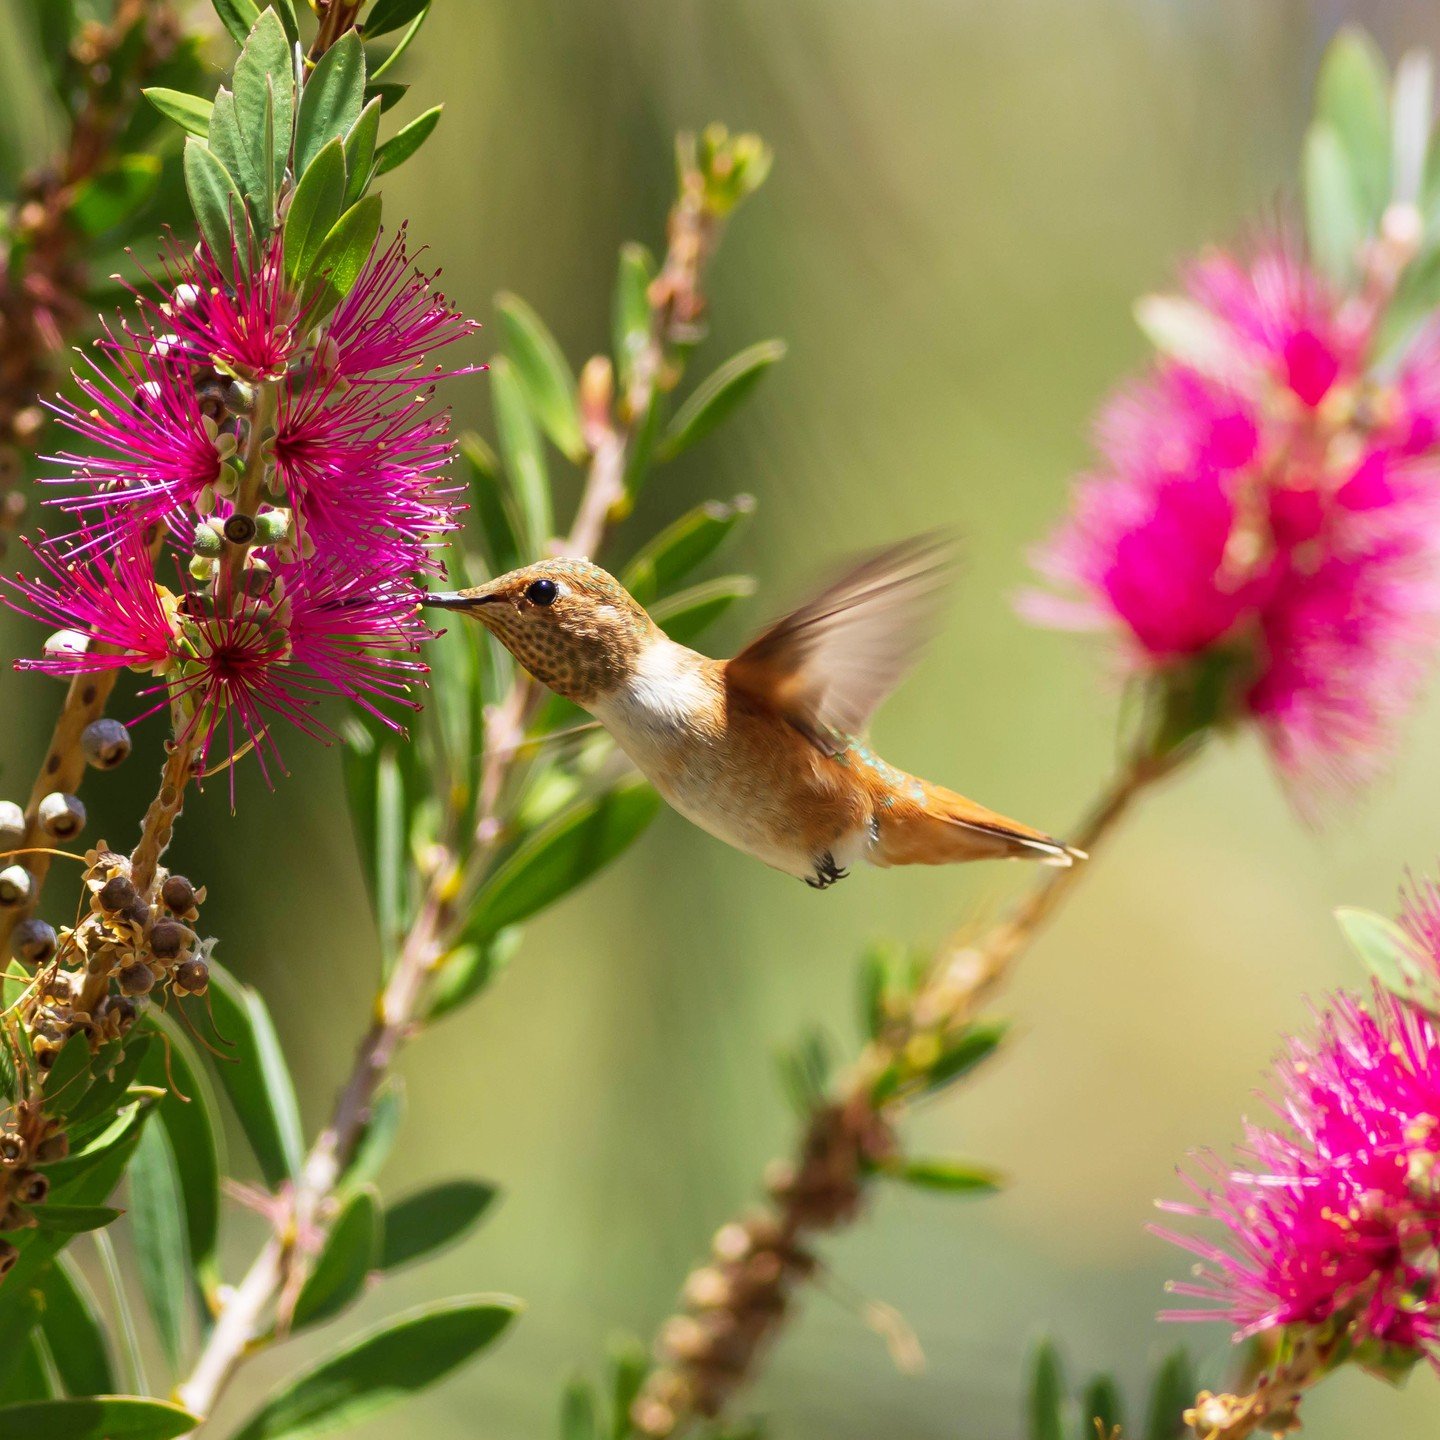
[(827, 666)]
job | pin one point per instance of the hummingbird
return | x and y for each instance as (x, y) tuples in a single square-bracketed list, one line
[(765, 751)]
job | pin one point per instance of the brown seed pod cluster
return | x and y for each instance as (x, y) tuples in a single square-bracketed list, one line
[(29, 1141), (736, 1301)]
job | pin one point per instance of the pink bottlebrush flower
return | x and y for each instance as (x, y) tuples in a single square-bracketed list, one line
[(1333, 1213), (109, 597), (1238, 509), (393, 319), (151, 447)]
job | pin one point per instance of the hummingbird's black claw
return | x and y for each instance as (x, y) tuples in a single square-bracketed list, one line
[(827, 872)]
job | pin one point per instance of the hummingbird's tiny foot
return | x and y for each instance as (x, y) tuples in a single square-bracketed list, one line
[(827, 872)]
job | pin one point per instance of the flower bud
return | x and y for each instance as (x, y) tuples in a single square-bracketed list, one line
[(186, 297), (192, 977), (15, 886), (117, 894), (272, 527), (12, 825), (178, 895), (200, 568), (105, 743), (33, 940), (62, 817), (207, 541), (168, 938), (136, 979), (67, 642)]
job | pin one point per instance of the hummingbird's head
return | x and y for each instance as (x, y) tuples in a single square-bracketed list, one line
[(574, 627)]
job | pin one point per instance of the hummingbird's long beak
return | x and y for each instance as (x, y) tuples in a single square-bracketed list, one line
[(457, 599)]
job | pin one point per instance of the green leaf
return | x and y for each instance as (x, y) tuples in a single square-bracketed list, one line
[(974, 1045), (341, 257), (1352, 100), (360, 152), (388, 15), (524, 459), (1391, 956), (314, 209), (97, 1417), (631, 319), (346, 1259), (75, 1219), (684, 546), (405, 142), (264, 89), (1047, 1395), (956, 1176), (286, 11), (432, 1219), (254, 1076), (69, 1078), (238, 17), (219, 208), (1412, 110), (113, 195), (79, 1162), (1172, 1393), (685, 616), (114, 1074), (401, 45), (1334, 218), (75, 1331), (30, 1374), (717, 398), (467, 970), (1189, 333), (391, 826), (629, 1365), (331, 100), (1102, 1403), (189, 1116), (401, 1357), (389, 96), (561, 856), (543, 374), (159, 1226), (493, 503), (579, 1415)]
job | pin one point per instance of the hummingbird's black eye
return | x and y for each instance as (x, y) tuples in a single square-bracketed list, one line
[(541, 592)]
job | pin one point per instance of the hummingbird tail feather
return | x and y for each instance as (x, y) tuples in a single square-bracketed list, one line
[(944, 828)]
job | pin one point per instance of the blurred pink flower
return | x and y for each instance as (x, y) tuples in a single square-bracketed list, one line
[(1272, 500), (1334, 1211)]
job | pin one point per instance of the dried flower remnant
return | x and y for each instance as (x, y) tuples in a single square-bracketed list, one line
[(1264, 525)]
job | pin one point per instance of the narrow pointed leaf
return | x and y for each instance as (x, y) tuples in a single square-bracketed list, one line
[(629, 1365), (386, 1115), (1352, 99), (524, 460), (29, 1376), (543, 373), (348, 1255), (401, 45), (631, 319), (388, 15), (159, 1226), (389, 96), (493, 504), (974, 1045), (684, 546), (579, 1415), (398, 1359), (360, 152), (331, 100), (405, 142), (688, 614), (190, 112), (1391, 956), (1173, 1392), (467, 970), (719, 396), (75, 1330), (255, 1078), (562, 855), (263, 83), (955, 1176), (75, 1219), (238, 17), (1102, 1403), (432, 1219), (314, 209), (342, 255), (1047, 1395), (216, 200), (1334, 216), (97, 1417)]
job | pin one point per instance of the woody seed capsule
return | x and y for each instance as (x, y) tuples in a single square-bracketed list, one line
[(61, 816), (167, 939), (15, 886), (178, 894), (32, 1188), (192, 977), (12, 825), (33, 940), (136, 979), (12, 1149), (105, 743), (117, 894)]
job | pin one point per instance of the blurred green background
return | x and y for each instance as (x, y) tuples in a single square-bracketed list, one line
[(966, 199)]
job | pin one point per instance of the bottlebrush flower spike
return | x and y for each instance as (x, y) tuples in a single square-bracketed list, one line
[(1268, 505), (1333, 1213)]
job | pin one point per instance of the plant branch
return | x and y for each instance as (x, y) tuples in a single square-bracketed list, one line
[(738, 1301)]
